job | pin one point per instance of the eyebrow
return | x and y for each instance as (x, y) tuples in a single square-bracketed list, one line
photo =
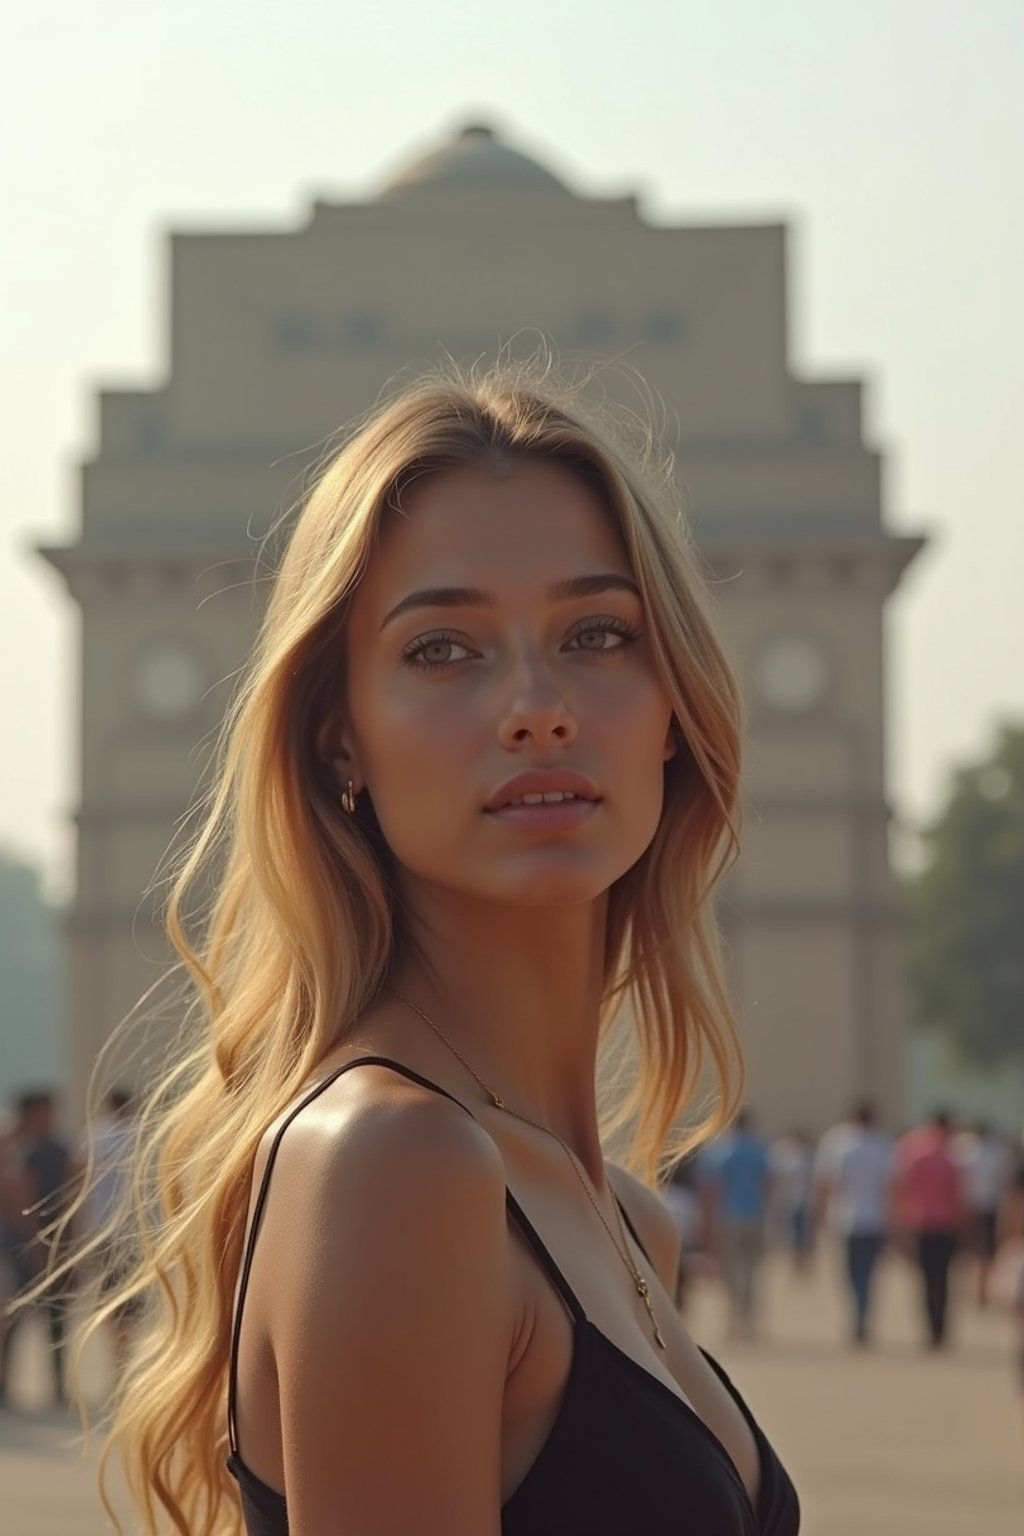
[(476, 597)]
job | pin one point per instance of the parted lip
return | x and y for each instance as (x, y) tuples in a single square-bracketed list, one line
[(542, 781)]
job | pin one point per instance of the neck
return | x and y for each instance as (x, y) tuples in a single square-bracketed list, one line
[(517, 991)]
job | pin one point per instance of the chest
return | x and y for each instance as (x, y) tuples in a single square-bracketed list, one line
[(544, 1359)]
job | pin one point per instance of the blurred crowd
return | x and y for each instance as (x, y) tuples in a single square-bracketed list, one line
[(40, 1175), (942, 1194)]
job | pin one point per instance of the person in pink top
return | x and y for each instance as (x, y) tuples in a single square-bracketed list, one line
[(931, 1203)]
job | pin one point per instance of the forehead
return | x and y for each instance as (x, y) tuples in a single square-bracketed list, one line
[(509, 531)]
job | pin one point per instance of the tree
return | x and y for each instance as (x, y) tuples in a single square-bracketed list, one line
[(966, 911)]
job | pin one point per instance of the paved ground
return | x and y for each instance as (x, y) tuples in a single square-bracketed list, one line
[(896, 1442)]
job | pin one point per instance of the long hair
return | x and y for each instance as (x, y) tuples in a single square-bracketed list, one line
[(304, 917)]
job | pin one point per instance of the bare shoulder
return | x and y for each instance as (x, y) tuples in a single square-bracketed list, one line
[(391, 1314), (653, 1221), (378, 1168), (363, 1124), (376, 1115)]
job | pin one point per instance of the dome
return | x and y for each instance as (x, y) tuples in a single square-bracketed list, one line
[(475, 161)]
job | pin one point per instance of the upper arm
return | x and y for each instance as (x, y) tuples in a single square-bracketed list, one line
[(391, 1326), (654, 1223)]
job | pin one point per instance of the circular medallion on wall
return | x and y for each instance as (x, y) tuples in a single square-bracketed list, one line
[(167, 682), (792, 673)]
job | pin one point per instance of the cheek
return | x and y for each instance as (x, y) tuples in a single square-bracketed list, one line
[(426, 732), (634, 721), (635, 740), (420, 751)]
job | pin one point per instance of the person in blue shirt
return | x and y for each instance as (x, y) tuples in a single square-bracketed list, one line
[(736, 1181)]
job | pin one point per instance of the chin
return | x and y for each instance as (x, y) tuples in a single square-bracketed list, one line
[(541, 876), (549, 883), (552, 893)]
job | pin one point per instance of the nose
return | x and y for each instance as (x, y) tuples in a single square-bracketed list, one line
[(537, 713)]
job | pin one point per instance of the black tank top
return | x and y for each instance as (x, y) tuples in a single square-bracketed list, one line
[(625, 1455)]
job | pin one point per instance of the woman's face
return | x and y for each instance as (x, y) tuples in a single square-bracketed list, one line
[(475, 653)]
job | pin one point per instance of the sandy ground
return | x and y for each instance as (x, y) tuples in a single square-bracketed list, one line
[(895, 1441)]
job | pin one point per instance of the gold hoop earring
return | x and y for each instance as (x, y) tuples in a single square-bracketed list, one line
[(348, 799)]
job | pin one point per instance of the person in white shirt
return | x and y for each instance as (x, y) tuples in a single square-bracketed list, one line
[(853, 1175), (112, 1137), (986, 1167), (791, 1216)]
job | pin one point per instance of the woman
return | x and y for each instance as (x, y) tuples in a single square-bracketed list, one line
[(477, 787)]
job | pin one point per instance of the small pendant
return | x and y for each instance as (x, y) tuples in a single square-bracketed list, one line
[(641, 1286)]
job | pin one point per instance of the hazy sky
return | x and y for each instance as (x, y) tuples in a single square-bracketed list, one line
[(889, 134)]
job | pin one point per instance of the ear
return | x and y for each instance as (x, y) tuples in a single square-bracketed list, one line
[(336, 748), (673, 741)]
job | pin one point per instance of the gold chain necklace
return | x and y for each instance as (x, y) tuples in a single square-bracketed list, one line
[(643, 1289)]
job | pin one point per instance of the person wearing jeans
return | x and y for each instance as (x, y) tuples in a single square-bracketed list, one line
[(935, 1254), (38, 1173), (863, 1250), (853, 1173), (736, 1183), (932, 1198)]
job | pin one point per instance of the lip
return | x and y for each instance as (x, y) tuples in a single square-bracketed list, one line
[(542, 781), (563, 816)]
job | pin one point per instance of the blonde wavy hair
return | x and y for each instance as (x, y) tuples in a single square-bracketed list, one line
[(304, 920)]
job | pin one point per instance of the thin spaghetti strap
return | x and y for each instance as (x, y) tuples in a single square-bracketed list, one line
[(250, 1245), (511, 1203), (629, 1224), (532, 1236)]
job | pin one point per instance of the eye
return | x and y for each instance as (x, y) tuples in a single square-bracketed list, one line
[(601, 628), (423, 652)]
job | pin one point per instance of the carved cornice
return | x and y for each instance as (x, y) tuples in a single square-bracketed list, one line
[(874, 564), (98, 571)]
